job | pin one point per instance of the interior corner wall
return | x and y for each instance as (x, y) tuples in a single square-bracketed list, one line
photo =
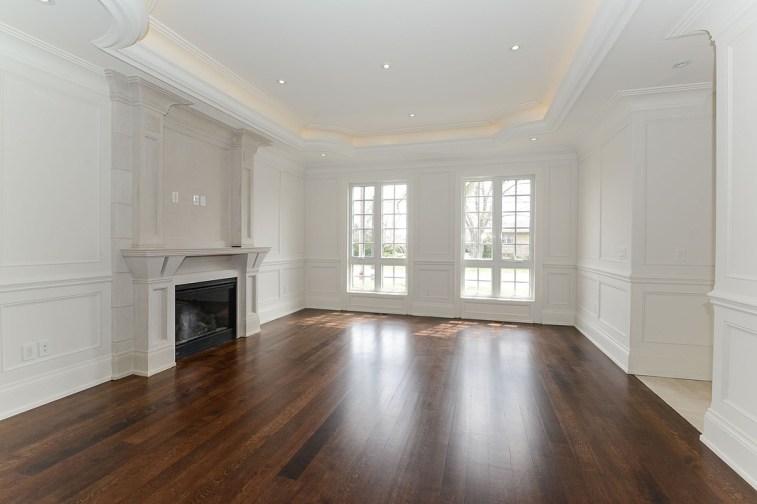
[(55, 253), (434, 201), (279, 222), (645, 241), (730, 425)]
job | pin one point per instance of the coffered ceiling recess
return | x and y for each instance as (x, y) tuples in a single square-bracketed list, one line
[(340, 76)]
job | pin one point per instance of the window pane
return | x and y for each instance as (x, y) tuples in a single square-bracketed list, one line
[(363, 277), (478, 220), (522, 252), (524, 186), (362, 221), (515, 283), (478, 282), (394, 220), (393, 279)]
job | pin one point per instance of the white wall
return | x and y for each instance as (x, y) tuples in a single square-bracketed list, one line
[(54, 276), (434, 229), (645, 253), (279, 222), (730, 427)]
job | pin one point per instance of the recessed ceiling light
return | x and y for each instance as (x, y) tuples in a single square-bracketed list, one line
[(411, 115), (515, 47), (533, 139), (323, 154), (282, 81), (386, 66), (681, 64), (47, 2)]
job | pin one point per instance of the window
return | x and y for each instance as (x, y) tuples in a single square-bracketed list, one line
[(498, 243), (378, 250)]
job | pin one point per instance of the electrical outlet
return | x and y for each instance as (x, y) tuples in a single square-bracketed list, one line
[(622, 253), (28, 351), (44, 348), (175, 197), (203, 201)]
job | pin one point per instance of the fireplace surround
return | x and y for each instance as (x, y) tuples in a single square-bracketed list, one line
[(155, 275)]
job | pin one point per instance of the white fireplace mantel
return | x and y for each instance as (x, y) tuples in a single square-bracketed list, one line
[(154, 277)]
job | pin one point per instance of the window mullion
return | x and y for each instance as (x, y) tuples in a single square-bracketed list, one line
[(496, 236), (377, 236)]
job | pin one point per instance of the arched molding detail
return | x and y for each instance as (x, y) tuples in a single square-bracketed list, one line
[(129, 22)]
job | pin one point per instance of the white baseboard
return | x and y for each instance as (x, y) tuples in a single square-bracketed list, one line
[(27, 394), (283, 307), (683, 366), (154, 361), (433, 310), (602, 340), (123, 359), (558, 317), (737, 449), (323, 301)]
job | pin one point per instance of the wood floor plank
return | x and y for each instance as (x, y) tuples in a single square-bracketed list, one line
[(343, 407)]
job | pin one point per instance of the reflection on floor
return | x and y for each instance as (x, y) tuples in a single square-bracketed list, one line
[(690, 398)]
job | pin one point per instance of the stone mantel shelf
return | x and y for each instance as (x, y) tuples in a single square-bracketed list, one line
[(194, 252), (153, 264)]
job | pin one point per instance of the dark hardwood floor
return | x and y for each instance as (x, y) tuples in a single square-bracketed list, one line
[(342, 407)]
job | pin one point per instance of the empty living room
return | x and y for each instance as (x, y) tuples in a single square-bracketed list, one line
[(429, 251)]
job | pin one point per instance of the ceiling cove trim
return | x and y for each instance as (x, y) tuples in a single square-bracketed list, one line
[(128, 23), (167, 59), (167, 56), (608, 23)]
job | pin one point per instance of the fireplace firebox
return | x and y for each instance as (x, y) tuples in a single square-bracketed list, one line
[(205, 315)]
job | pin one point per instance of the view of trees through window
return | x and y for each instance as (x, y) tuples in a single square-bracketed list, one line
[(378, 230), (497, 256)]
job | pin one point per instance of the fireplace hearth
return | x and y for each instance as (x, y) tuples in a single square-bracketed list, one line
[(205, 315)]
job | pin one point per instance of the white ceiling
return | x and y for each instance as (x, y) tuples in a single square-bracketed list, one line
[(451, 63)]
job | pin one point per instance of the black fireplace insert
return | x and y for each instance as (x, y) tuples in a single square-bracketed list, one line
[(205, 315)]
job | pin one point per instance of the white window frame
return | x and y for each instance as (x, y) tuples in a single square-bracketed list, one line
[(376, 260), (497, 263)]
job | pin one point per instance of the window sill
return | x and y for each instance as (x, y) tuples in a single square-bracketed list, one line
[(376, 294), (482, 299)]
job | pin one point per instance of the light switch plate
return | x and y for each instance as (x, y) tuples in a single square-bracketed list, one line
[(196, 199)]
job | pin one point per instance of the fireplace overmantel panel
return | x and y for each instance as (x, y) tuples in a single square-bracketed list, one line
[(154, 277)]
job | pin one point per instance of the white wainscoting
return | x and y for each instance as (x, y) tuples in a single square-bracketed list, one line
[(55, 222), (73, 319), (602, 313)]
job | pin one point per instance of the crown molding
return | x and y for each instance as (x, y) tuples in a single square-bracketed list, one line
[(710, 16), (679, 95), (167, 56), (128, 23), (608, 23), (616, 113), (47, 48), (168, 59)]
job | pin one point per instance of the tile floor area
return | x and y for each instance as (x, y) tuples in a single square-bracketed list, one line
[(690, 398)]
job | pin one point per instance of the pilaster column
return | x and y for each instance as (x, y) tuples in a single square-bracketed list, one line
[(148, 104), (243, 152)]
